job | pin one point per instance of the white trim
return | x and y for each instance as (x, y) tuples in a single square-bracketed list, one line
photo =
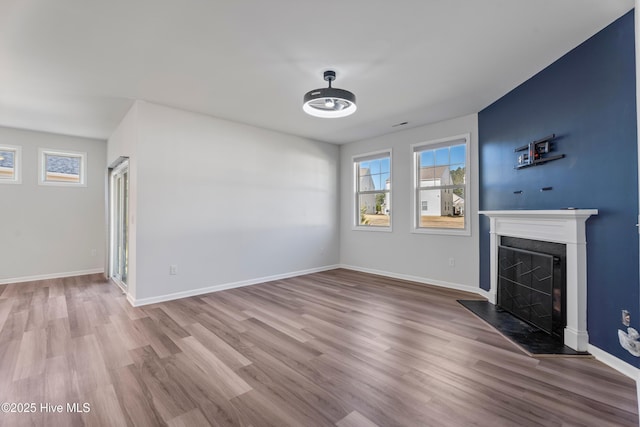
[(17, 164), (223, 286), (559, 226), (371, 155), (442, 142), (42, 152), (23, 279), (441, 230), (119, 284), (434, 144), (417, 279), (132, 300), (483, 293), (613, 362), (122, 164), (382, 228), (355, 220)]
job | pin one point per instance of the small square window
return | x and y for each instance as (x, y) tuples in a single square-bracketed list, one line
[(10, 158), (65, 168)]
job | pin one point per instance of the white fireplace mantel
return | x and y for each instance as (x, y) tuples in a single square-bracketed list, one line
[(566, 226)]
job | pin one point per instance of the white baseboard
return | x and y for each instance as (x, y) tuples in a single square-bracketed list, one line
[(619, 365), (50, 276), (131, 299), (418, 279), (615, 363), (223, 286), (484, 293)]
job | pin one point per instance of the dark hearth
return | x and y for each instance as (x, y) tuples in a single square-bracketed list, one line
[(532, 340)]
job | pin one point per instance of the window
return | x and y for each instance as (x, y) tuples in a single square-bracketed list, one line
[(65, 168), (441, 177), (372, 173), (10, 158)]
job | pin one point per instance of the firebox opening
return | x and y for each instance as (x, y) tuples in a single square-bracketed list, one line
[(532, 283)]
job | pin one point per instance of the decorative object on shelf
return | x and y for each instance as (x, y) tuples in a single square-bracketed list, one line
[(329, 102), (535, 153)]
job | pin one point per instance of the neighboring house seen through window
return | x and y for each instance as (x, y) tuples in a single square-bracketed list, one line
[(10, 164), (441, 196), (372, 173)]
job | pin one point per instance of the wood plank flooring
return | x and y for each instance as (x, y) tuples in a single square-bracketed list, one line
[(338, 348)]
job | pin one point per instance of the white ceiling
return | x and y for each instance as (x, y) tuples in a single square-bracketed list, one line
[(75, 66)]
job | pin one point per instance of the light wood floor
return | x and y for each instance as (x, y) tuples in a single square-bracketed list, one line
[(337, 348)]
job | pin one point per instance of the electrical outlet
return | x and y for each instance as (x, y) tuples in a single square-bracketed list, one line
[(452, 262), (173, 269)]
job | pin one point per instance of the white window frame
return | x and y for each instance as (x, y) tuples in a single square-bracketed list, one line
[(415, 199), (17, 164), (43, 152), (355, 200)]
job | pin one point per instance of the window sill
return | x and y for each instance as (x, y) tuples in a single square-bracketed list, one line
[(442, 231), (62, 184), (372, 228)]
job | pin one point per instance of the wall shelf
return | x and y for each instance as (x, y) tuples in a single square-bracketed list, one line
[(535, 153), (540, 161)]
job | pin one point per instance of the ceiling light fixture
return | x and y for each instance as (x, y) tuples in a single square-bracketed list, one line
[(329, 102)]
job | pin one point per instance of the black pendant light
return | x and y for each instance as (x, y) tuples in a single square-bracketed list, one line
[(329, 102)]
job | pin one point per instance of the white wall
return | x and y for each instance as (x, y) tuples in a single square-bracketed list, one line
[(225, 202), (50, 231), (400, 253), (123, 143)]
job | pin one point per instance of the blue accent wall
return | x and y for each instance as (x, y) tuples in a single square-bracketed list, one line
[(587, 98)]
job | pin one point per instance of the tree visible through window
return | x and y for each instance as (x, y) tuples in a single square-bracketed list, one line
[(441, 184), (373, 190)]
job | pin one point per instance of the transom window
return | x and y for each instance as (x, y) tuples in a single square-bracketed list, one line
[(67, 168), (372, 174), (440, 177), (10, 164)]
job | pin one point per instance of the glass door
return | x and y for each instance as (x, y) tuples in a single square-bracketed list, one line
[(120, 223)]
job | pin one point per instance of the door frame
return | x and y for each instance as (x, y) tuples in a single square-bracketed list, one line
[(116, 169)]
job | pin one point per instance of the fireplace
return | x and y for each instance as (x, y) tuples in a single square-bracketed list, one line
[(566, 227), (531, 282)]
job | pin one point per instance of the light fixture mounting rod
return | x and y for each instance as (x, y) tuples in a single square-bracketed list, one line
[(329, 76)]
